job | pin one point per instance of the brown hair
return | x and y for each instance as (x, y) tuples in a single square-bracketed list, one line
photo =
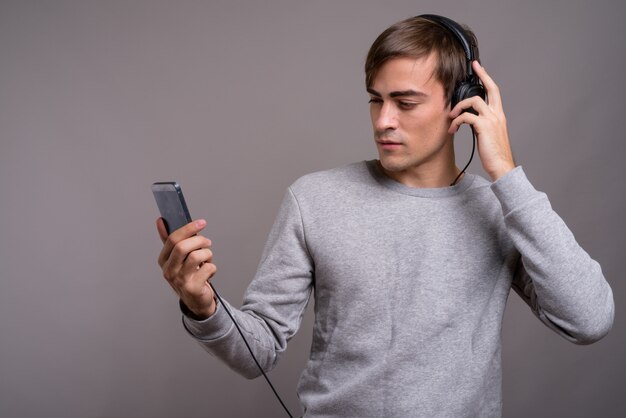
[(418, 37)]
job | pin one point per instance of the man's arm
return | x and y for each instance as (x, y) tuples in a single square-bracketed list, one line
[(556, 277), (561, 283), (273, 304)]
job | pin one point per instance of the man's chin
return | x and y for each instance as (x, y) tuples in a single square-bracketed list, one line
[(391, 165)]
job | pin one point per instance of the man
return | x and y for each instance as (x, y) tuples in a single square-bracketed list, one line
[(410, 274)]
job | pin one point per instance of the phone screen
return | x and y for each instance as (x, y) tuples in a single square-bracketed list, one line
[(171, 202)]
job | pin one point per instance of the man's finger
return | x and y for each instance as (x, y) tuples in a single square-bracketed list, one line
[(493, 92), (468, 118), (189, 230), (160, 224), (183, 249), (474, 102), (196, 259), (186, 231)]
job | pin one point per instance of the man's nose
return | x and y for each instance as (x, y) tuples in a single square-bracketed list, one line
[(387, 118)]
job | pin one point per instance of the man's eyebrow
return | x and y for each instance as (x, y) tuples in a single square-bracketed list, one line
[(402, 93), (405, 93)]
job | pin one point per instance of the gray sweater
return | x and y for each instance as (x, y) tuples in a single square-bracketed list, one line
[(410, 287)]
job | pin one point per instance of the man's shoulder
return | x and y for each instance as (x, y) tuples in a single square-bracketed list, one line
[(334, 178), (479, 183)]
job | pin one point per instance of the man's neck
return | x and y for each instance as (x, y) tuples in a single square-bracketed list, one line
[(425, 177)]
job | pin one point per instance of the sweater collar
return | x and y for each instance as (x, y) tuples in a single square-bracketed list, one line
[(465, 182)]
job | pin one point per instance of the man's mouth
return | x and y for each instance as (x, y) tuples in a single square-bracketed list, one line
[(386, 144)]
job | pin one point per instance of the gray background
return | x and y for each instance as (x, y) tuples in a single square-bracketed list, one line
[(235, 100)]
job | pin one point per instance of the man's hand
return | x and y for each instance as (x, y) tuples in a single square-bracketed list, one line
[(186, 263), (489, 125)]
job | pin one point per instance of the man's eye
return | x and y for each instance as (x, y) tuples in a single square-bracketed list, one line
[(374, 100), (407, 105)]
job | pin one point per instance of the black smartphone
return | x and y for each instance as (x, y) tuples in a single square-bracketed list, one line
[(171, 202)]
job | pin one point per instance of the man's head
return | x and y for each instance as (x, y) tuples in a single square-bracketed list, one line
[(419, 37), (411, 73)]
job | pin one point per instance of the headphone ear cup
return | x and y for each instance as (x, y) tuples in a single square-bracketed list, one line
[(465, 90)]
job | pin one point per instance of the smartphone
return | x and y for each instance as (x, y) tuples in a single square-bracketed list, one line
[(171, 202)]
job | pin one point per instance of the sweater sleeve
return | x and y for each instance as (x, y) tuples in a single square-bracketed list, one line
[(274, 302), (561, 283)]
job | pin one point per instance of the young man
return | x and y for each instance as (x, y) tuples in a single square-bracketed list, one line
[(410, 275)]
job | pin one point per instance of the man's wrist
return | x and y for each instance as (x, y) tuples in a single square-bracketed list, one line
[(197, 316), (501, 171)]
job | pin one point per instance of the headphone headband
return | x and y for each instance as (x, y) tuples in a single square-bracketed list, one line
[(469, 46)]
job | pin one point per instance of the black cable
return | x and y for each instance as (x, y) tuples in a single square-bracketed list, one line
[(250, 350), (470, 159)]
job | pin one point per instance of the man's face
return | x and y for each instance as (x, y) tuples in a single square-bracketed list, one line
[(410, 120)]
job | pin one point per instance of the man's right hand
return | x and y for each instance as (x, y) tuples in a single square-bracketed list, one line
[(186, 262)]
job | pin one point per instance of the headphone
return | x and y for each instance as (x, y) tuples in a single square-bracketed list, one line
[(471, 86)]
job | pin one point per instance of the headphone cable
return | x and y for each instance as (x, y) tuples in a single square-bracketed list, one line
[(250, 350), (470, 159)]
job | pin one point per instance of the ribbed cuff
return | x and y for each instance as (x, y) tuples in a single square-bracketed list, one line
[(212, 328)]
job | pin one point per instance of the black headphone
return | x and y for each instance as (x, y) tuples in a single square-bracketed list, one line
[(471, 86)]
